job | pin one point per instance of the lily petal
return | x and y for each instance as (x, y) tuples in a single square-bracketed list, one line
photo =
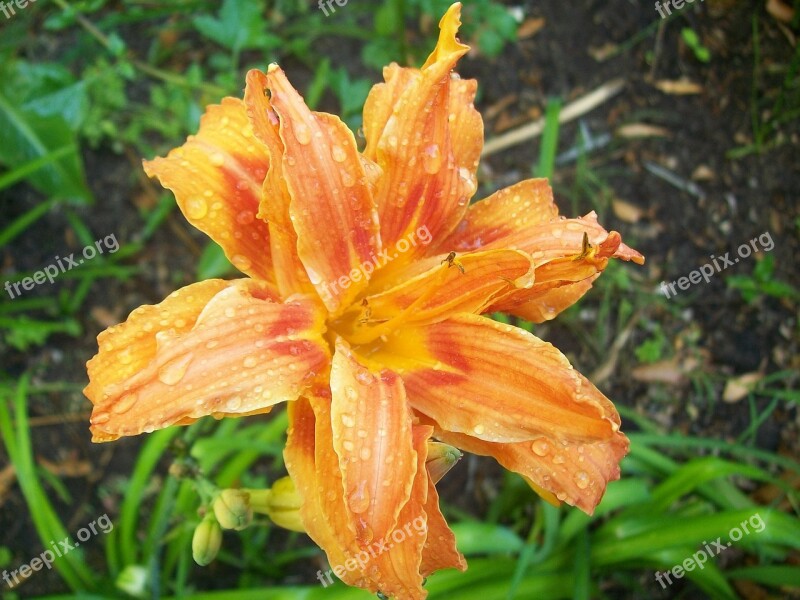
[(372, 436), (428, 179), (332, 207), (290, 274), (216, 177), (495, 382), (575, 472), (239, 352), (439, 551), (497, 217)]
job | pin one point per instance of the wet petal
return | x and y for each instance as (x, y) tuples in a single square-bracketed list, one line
[(216, 177), (372, 436), (439, 551), (573, 471), (290, 274), (429, 144), (495, 218), (495, 382), (332, 208), (239, 352)]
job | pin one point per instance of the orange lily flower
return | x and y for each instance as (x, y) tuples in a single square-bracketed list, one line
[(368, 275)]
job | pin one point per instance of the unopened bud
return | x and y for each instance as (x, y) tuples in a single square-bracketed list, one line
[(232, 509), (441, 458), (283, 505), (206, 541)]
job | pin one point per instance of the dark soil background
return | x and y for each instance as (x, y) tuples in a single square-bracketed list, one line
[(711, 330)]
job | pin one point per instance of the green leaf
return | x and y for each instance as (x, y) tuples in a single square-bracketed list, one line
[(26, 136), (239, 25), (213, 263)]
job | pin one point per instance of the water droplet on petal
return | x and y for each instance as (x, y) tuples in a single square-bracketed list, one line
[(172, 372), (196, 208), (365, 453), (351, 392), (540, 447), (478, 429), (250, 362), (241, 262), (582, 480), (348, 420), (302, 133), (338, 154), (234, 404), (125, 403), (217, 159), (359, 499), (245, 217), (432, 159)]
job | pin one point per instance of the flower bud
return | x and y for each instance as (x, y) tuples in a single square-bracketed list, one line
[(441, 458), (283, 505), (232, 509), (206, 541)]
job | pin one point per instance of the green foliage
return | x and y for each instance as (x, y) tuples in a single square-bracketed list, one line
[(692, 40), (762, 283)]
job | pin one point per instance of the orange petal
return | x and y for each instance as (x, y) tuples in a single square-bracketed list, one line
[(237, 353), (439, 551), (574, 471), (380, 104), (391, 564), (429, 145), (496, 382), (545, 303), (372, 436), (495, 218), (452, 285), (332, 208), (300, 457), (216, 177), (290, 274)]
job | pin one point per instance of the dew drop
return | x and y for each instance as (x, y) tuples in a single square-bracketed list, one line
[(478, 429), (351, 392), (125, 403), (250, 362), (365, 453), (302, 133), (432, 159), (234, 404), (172, 372), (359, 499), (348, 420), (196, 208), (217, 159), (241, 262), (582, 480), (540, 447), (338, 154), (245, 217)]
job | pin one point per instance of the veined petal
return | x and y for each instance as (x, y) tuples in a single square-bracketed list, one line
[(439, 551), (495, 382), (216, 177), (429, 144), (560, 282), (332, 208), (468, 283), (300, 457), (380, 104), (237, 353), (574, 471), (390, 565), (371, 424), (496, 217), (290, 274)]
